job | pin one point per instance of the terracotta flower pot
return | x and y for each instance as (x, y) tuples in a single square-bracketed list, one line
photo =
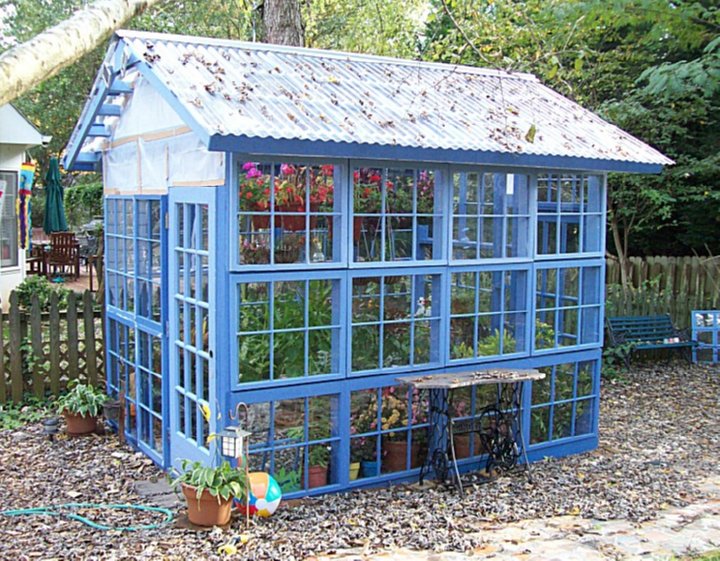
[(206, 511), (462, 445), (395, 455), (317, 476), (78, 425)]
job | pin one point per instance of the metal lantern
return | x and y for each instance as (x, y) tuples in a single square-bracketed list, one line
[(50, 428), (232, 441)]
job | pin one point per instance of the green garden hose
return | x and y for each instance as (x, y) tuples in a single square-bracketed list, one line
[(61, 510)]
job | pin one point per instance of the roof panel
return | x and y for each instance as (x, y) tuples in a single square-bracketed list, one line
[(237, 89)]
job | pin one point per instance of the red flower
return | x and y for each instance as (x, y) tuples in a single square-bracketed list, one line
[(375, 178), (356, 176), (327, 170)]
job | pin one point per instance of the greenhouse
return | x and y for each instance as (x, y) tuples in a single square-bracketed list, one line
[(295, 229)]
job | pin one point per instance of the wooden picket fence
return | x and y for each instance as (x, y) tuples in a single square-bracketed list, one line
[(679, 275), (44, 350), (664, 285)]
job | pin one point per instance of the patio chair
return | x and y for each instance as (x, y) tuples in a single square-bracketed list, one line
[(64, 253)]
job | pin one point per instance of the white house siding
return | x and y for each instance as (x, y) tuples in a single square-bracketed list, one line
[(11, 158)]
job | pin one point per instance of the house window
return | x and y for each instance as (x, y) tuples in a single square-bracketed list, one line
[(563, 403), (569, 214), (490, 216), (288, 214), (397, 215), (567, 306), (488, 313), (289, 328), (8, 219), (395, 320)]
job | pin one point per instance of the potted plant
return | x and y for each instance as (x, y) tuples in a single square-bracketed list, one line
[(81, 407), (318, 458), (209, 491)]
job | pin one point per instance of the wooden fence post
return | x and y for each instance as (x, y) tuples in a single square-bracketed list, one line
[(89, 323), (16, 354), (36, 336), (72, 337), (54, 328)]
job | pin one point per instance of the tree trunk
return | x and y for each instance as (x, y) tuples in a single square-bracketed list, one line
[(25, 66), (620, 249), (283, 23)]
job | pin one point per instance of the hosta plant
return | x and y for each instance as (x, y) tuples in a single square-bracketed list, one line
[(82, 400), (222, 482)]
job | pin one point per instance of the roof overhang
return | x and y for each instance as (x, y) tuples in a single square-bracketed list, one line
[(306, 148)]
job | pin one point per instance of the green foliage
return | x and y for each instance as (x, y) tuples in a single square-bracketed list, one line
[(16, 415), (83, 202), (288, 479), (222, 482), (83, 400), (613, 360), (40, 285)]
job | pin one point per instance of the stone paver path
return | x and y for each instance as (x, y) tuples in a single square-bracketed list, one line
[(674, 534)]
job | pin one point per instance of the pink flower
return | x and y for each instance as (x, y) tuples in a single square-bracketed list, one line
[(249, 165), (286, 169), (254, 172), (373, 424)]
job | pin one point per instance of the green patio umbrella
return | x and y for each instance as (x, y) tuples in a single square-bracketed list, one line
[(54, 205)]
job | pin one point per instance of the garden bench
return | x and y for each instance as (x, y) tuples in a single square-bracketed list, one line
[(647, 333)]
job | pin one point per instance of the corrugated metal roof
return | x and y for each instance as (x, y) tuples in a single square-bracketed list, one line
[(238, 89)]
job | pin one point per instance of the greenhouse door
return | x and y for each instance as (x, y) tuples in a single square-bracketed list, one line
[(191, 363)]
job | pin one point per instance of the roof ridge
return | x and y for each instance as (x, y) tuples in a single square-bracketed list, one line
[(322, 53)]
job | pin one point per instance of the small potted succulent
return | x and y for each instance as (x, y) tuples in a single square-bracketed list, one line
[(209, 491), (81, 407)]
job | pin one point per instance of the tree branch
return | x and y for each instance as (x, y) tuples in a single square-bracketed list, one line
[(27, 65)]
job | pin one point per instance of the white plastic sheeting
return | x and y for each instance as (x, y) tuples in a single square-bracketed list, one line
[(152, 149)]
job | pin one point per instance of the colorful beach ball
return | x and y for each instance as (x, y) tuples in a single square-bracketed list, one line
[(265, 494)]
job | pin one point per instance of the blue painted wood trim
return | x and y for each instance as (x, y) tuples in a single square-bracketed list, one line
[(301, 148), (110, 109)]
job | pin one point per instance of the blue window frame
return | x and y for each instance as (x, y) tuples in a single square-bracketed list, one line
[(490, 216), (570, 211), (395, 320), (135, 240), (488, 312), (706, 331), (397, 215), (297, 440), (191, 298), (564, 404), (288, 214), (388, 429), (289, 326), (568, 305), (120, 262)]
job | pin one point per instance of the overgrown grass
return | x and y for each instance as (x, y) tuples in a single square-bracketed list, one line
[(17, 415)]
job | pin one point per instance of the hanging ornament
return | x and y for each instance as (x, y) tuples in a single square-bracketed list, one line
[(27, 176)]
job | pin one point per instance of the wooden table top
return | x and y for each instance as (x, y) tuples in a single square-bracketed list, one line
[(449, 381)]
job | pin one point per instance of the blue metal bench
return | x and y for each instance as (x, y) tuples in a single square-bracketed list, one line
[(648, 333)]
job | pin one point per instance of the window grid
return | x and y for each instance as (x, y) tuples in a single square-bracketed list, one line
[(570, 213), (706, 331), (567, 307), (291, 438), (397, 216), (191, 297), (276, 317), (389, 311), (563, 404), (497, 313), (300, 202), (497, 200)]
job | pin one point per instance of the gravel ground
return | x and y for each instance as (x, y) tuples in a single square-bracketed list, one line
[(659, 438)]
